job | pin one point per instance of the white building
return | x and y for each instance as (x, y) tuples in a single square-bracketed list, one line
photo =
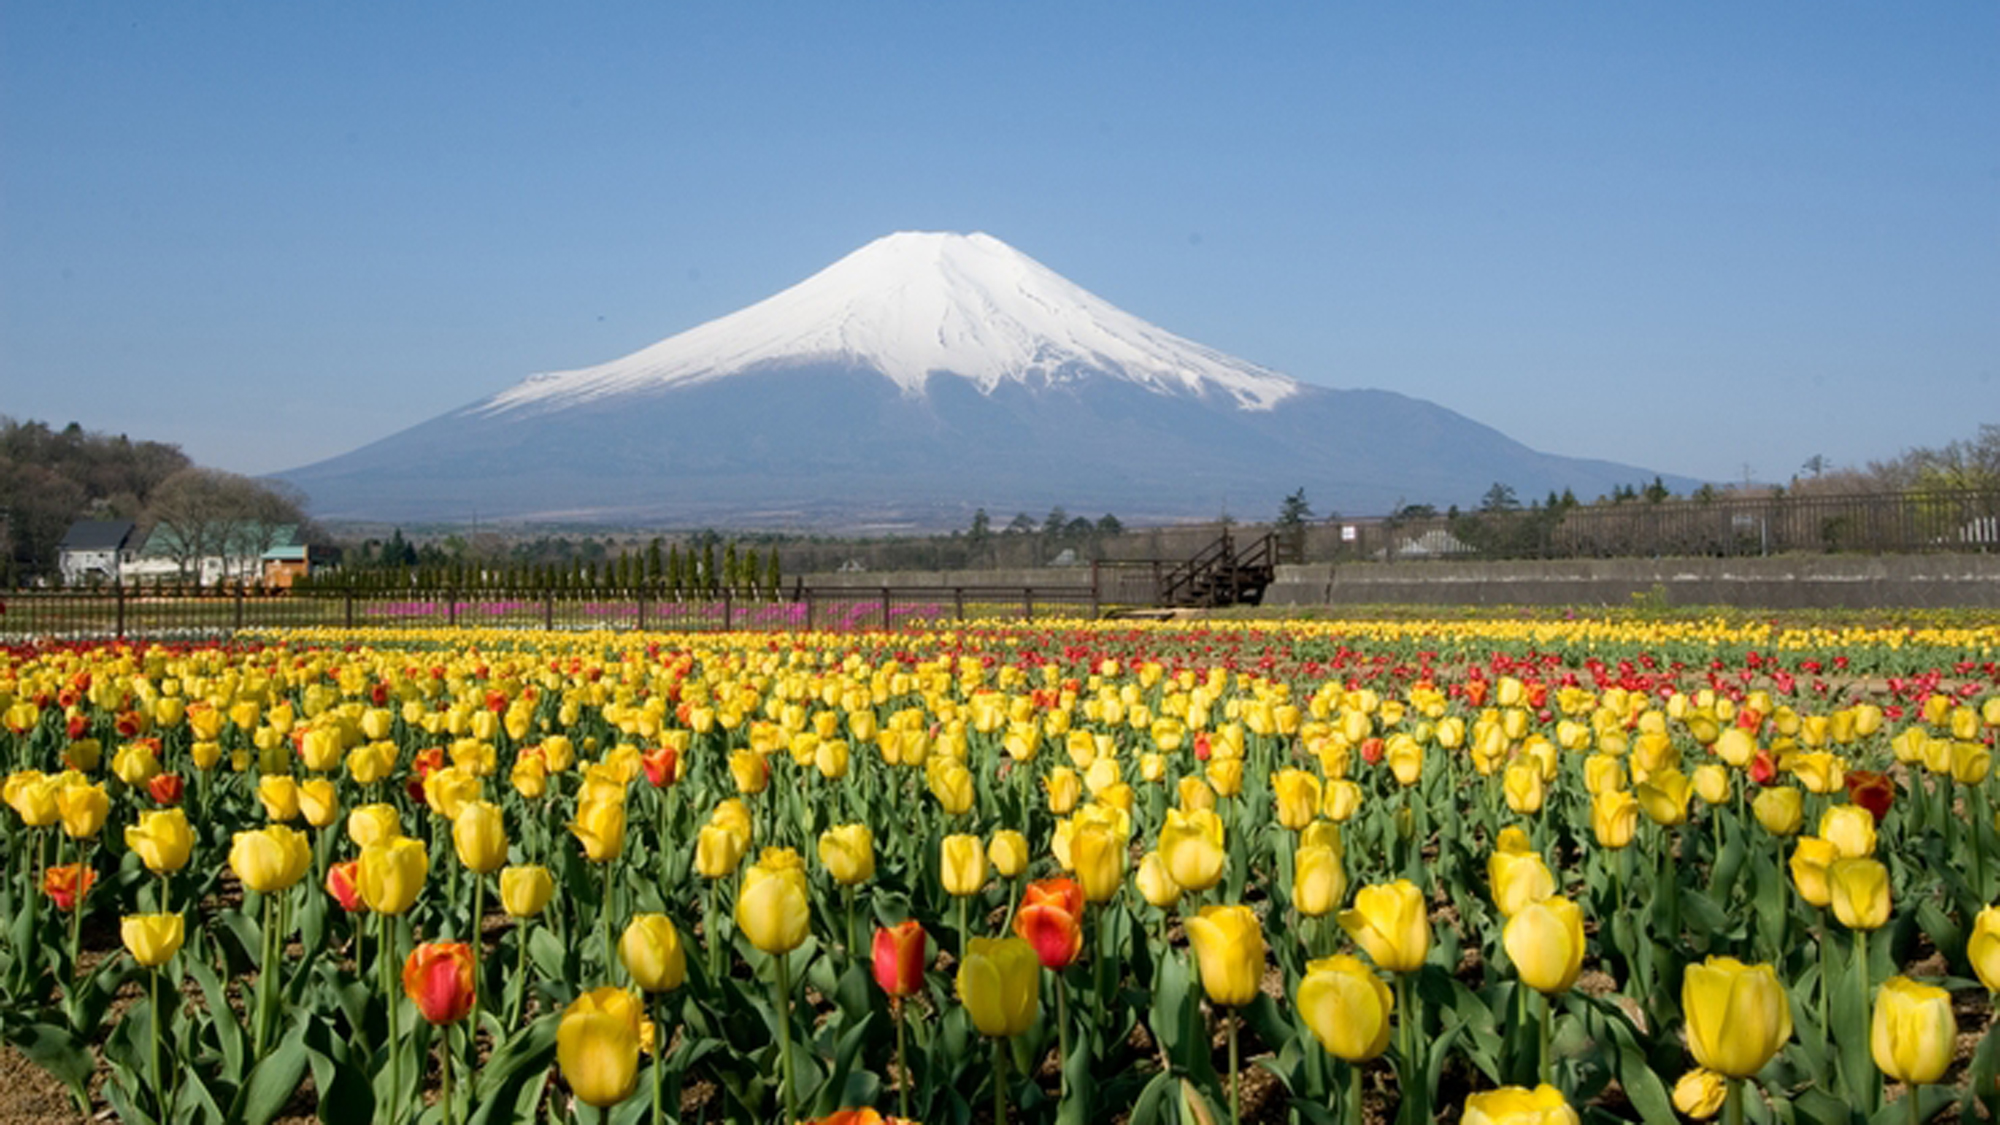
[(96, 552)]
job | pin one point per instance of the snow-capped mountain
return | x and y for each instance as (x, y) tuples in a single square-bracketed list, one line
[(917, 378), (912, 306)]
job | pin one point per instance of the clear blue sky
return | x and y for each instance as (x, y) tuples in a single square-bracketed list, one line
[(1691, 236)]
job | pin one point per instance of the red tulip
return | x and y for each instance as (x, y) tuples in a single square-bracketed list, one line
[(1872, 791), (661, 766), (68, 883), (899, 959), (343, 882), (1051, 920), (1764, 768), (438, 980), (165, 788)]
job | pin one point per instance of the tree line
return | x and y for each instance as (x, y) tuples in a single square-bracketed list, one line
[(660, 568)]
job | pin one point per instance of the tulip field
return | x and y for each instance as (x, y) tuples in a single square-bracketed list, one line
[(1055, 871)]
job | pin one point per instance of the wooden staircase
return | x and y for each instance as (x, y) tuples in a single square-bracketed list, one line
[(1221, 574)]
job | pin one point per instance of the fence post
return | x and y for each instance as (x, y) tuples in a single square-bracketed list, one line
[(642, 610), (958, 600), (451, 608), (548, 611), (1028, 602), (348, 598), (1096, 603), (239, 605), (808, 598), (728, 612), (120, 587), (885, 609)]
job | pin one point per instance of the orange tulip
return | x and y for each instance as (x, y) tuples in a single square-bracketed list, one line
[(1051, 919), (437, 978)]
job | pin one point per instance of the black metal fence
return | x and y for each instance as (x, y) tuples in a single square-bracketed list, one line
[(191, 613), (1886, 523)]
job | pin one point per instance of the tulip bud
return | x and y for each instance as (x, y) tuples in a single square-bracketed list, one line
[(1983, 948), (1318, 881), (1544, 939), (600, 827), (772, 909), (163, 840), (437, 977), (1517, 879), (1737, 1015), (152, 939), (1008, 852), (343, 882), (1191, 844), (1811, 857), (1859, 892), (1515, 1105), (392, 874), (1229, 944), (526, 889), (1614, 818), (717, 851), (899, 959), (270, 859), (1914, 1031), (848, 853), (651, 952), (480, 836), (999, 982), (81, 806), (1156, 884), (1389, 922), (1850, 828), (597, 1046), (1780, 809), (1098, 855), (1347, 1007)]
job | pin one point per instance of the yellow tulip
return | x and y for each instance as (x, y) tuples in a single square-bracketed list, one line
[(1156, 885), (962, 865), (1914, 1031), (372, 824), (1983, 948), (749, 769), (1515, 1105), (600, 827), (162, 839), (1225, 776), (447, 791), (1098, 855), (1008, 852), (1859, 892), (135, 763), (1297, 794), (1850, 828), (1193, 793), (526, 889), (1544, 939), (1191, 846), (152, 939), (1065, 789), (772, 910), (1780, 809), (1523, 787), (951, 784), (1347, 1007), (1970, 762), (1603, 773), (1819, 771), (270, 859), (392, 874), (847, 852), (651, 951), (1664, 797), (480, 835), (1517, 879), (318, 802), (371, 762), (717, 851), (999, 982), (1736, 747), (1711, 783), (1700, 1093), (1318, 880), (1229, 944), (597, 1046), (1737, 1015), (1342, 800), (82, 807), (1406, 760), (1811, 857), (1390, 923), (32, 796)]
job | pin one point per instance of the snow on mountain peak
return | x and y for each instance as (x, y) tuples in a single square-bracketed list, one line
[(914, 304)]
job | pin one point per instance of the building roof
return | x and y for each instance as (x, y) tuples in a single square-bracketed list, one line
[(97, 535)]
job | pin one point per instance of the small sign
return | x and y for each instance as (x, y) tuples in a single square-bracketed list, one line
[(1349, 533)]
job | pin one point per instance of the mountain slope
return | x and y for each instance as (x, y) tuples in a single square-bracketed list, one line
[(914, 380)]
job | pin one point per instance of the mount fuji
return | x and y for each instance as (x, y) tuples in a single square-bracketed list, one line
[(911, 381)]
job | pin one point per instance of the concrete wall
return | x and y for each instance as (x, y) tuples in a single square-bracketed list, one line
[(1826, 581)]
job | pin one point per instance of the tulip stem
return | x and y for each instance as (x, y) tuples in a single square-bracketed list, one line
[(1910, 1093), (1548, 1039), (902, 1063), (444, 1063), (1235, 1079), (1062, 1036), (604, 911), (76, 909), (385, 956), (1353, 1093), (964, 931), (520, 975), (159, 1074), (1870, 1083), (1000, 1080), (784, 966), (1732, 1102), (708, 928)]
